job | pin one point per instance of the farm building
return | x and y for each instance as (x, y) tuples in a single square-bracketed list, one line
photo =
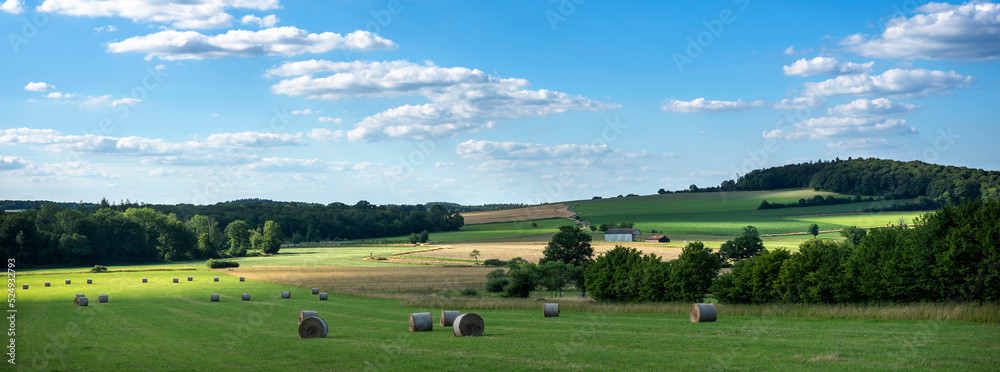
[(622, 235), (657, 239)]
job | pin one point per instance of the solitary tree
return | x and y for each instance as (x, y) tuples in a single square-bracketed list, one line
[(425, 236), (814, 230), (239, 238), (569, 245), (853, 234), (742, 247), (273, 237), (475, 255)]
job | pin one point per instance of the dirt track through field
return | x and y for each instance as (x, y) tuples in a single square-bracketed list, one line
[(518, 214)]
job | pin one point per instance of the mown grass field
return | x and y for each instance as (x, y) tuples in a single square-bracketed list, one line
[(537, 212), (725, 214), (166, 326), (499, 230)]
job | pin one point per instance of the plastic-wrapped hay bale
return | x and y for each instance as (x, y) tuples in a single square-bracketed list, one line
[(176, 280), (551, 310), (24, 286), (305, 314), (322, 296), (215, 298), (315, 291), (421, 322), (313, 327), (90, 281), (448, 318), (47, 284), (286, 294), (246, 297), (215, 279), (190, 278), (68, 281), (80, 301), (242, 278), (144, 280), (102, 299), (702, 313), (470, 324)]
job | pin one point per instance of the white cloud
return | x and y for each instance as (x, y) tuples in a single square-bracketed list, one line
[(324, 135), (40, 86), (12, 6), (895, 83), (297, 165), (461, 99), (160, 172), (800, 102), (853, 39), (60, 95), (330, 119), (702, 105), (790, 51), (827, 127), (871, 107), (826, 66), (160, 67), (444, 164), (184, 14), (364, 165), (304, 112), (108, 28), (125, 101), (96, 101), (12, 162), (267, 21), (940, 31), (278, 41), (518, 150)]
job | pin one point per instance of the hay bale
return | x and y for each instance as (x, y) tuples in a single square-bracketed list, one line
[(24, 286), (313, 327), (47, 284), (68, 281), (246, 297), (190, 278), (90, 281), (215, 298), (421, 322), (242, 278), (102, 299), (448, 318), (469, 324), (315, 291), (144, 280), (702, 313), (551, 310), (80, 301), (215, 279), (322, 296), (176, 281), (305, 314), (286, 294)]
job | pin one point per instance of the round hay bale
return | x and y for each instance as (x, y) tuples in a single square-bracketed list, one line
[(24, 286), (246, 297), (469, 324), (215, 298), (90, 281), (313, 327), (102, 299), (448, 318), (190, 278), (215, 279), (421, 322), (242, 278), (144, 280), (286, 294), (322, 296), (702, 313), (68, 281), (47, 284), (315, 291), (175, 280), (551, 310), (306, 314), (80, 301)]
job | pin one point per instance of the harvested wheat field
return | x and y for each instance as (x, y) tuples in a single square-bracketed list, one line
[(531, 251), (395, 278), (518, 214)]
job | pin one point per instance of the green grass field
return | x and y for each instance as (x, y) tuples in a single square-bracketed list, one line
[(166, 326), (724, 214), (500, 230)]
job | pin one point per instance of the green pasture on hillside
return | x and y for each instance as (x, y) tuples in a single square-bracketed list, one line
[(725, 214), (167, 326), (498, 230)]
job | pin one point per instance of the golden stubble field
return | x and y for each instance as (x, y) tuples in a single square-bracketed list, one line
[(533, 251), (388, 278), (518, 214)]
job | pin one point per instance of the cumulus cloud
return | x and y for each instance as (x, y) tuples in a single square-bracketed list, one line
[(444, 164), (871, 107), (277, 41), (799, 102), (827, 127), (304, 112), (325, 135), (267, 21), (184, 14), (790, 51), (461, 99), (940, 31), (12, 6), (60, 95), (330, 119), (125, 101), (894, 83), (108, 28), (12, 162), (826, 66), (702, 105), (297, 165), (518, 156), (40, 86)]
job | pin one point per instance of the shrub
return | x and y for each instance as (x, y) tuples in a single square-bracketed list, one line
[(498, 273), (221, 264), (496, 285), (99, 269), (523, 279), (469, 292), (615, 276), (494, 262)]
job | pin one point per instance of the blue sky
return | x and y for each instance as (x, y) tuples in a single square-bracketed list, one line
[(202, 101)]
